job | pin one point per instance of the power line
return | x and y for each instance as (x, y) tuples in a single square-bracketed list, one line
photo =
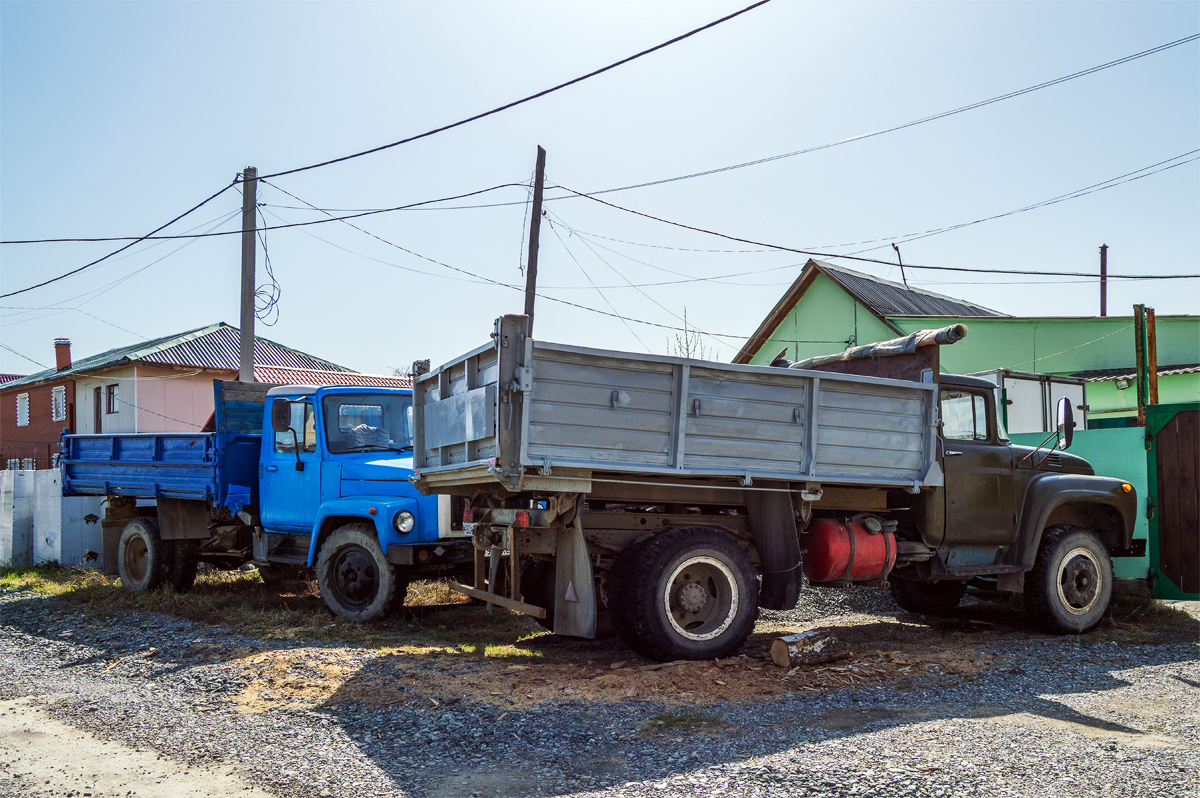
[(332, 218), (830, 255), (27, 357), (523, 100), (122, 249), (860, 137)]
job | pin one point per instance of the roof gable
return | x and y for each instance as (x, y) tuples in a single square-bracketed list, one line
[(882, 298)]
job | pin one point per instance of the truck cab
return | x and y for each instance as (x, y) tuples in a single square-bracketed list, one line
[(334, 494)]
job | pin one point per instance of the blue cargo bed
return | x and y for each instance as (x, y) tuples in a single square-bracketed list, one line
[(217, 467)]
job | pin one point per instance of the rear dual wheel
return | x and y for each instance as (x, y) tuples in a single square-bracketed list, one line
[(145, 561), (684, 593)]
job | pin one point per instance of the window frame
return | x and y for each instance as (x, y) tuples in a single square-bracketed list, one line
[(112, 398), (58, 403), (979, 411), (23, 409)]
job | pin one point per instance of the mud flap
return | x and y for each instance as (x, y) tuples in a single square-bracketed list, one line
[(774, 524), (574, 587)]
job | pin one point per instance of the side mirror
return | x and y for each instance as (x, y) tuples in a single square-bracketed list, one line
[(281, 415), (1065, 420)]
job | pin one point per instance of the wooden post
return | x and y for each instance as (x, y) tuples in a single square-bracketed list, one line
[(1139, 343), (249, 247), (535, 226), (1151, 357), (1104, 279)]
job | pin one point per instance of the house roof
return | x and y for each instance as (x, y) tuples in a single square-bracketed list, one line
[(882, 297), (1109, 375), (281, 375), (215, 347), (9, 377)]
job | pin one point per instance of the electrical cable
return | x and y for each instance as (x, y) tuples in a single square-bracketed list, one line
[(523, 100), (862, 136), (833, 256), (598, 291), (194, 208), (27, 357)]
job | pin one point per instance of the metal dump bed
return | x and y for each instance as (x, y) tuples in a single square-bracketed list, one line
[(533, 415)]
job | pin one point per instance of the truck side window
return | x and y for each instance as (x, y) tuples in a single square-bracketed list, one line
[(964, 416), (305, 424)]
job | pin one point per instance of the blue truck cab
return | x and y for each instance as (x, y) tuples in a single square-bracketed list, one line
[(294, 479)]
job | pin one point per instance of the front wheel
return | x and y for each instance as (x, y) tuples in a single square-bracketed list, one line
[(685, 593), (355, 579), (927, 598), (1069, 588)]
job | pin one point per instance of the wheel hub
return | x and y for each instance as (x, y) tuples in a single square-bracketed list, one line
[(690, 597), (701, 598), (1079, 583), (356, 579), (136, 559)]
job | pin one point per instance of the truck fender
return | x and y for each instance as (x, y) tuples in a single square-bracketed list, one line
[(778, 542), (378, 510), (1089, 500)]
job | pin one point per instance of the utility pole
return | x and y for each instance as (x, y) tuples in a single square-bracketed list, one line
[(249, 247), (1104, 279), (535, 226), (902, 277)]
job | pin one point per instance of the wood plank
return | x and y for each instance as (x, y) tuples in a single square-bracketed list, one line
[(507, 603)]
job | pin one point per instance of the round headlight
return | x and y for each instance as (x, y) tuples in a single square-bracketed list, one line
[(404, 522)]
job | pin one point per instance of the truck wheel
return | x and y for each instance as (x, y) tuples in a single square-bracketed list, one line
[(1068, 590), (685, 593), (143, 561), (927, 598), (355, 579), (184, 559)]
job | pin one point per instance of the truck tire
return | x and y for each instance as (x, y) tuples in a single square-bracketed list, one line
[(354, 577), (927, 598), (143, 559), (181, 574), (1069, 588), (684, 593)]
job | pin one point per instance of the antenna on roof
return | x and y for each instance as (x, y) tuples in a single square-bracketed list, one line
[(902, 277)]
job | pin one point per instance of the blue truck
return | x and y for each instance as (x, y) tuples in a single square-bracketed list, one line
[(288, 478)]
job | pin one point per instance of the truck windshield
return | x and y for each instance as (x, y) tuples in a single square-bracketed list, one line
[(367, 422)]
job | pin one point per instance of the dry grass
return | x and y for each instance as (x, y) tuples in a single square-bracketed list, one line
[(433, 619)]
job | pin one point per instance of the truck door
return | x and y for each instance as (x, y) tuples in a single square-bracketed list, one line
[(979, 488), (289, 497)]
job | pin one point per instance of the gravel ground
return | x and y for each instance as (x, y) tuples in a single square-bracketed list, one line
[(1050, 717)]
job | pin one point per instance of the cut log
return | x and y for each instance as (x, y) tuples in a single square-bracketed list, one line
[(804, 648)]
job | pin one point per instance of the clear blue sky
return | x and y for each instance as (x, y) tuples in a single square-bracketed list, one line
[(115, 117)]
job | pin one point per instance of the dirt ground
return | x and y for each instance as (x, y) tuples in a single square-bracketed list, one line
[(868, 653)]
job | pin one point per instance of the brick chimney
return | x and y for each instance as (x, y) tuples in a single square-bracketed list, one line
[(62, 353)]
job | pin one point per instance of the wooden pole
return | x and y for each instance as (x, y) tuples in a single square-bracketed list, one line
[(249, 209), (535, 226), (1104, 279), (1139, 343), (1151, 358)]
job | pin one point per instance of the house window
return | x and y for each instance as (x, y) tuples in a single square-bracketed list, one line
[(22, 410), (27, 464), (112, 402), (14, 464), (58, 403)]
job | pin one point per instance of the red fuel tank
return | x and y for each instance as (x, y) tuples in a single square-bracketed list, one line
[(837, 552)]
